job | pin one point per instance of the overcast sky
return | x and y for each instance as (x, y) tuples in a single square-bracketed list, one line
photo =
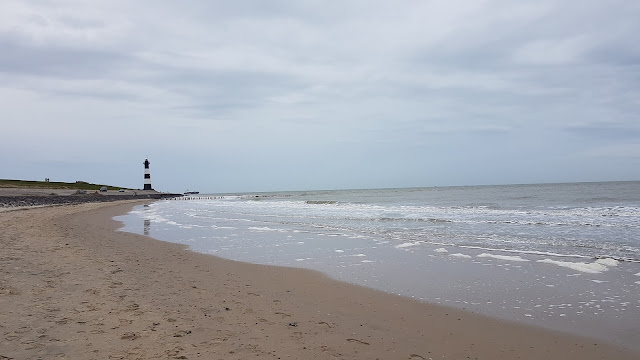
[(226, 96)]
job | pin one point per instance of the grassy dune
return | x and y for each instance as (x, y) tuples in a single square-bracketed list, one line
[(6, 183)]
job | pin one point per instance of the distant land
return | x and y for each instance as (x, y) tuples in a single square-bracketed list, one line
[(78, 185), (17, 194)]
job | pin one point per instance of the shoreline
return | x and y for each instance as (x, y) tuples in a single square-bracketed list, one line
[(532, 289), (108, 293)]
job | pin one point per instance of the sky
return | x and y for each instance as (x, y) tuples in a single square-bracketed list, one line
[(246, 96)]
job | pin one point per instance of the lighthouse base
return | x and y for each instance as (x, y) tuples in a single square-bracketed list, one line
[(147, 187)]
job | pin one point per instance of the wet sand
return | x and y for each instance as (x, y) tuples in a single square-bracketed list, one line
[(74, 288), (603, 304)]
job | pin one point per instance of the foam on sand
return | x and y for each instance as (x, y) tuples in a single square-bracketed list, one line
[(591, 268), (607, 262), (441, 250), (407, 244), (461, 255), (502, 257), (532, 252), (263, 228)]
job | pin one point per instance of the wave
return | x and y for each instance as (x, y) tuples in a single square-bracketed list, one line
[(626, 217), (556, 232)]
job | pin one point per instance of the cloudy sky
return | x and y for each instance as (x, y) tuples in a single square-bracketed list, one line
[(227, 96)]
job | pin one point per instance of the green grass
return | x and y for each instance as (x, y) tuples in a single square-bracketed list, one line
[(5, 183)]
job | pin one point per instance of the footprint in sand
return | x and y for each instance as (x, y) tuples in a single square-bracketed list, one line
[(129, 336), (330, 351), (358, 341)]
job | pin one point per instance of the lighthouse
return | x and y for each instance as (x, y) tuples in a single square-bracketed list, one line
[(147, 175)]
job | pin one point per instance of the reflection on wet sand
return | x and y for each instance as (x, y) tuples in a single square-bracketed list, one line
[(147, 223), (147, 226)]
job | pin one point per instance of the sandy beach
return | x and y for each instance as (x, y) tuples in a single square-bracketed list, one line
[(73, 287)]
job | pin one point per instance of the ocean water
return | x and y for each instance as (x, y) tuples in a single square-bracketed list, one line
[(562, 256)]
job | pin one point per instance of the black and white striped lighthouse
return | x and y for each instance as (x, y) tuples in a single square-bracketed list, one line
[(147, 175)]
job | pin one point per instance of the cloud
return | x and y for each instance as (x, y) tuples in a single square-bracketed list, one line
[(616, 151), (554, 51), (58, 62), (380, 82), (619, 131)]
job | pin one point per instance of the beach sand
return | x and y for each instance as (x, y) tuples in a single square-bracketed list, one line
[(72, 287)]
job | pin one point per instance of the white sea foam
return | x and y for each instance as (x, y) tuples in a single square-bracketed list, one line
[(156, 218), (532, 252), (366, 261), (607, 262), (441, 250), (592, 268), (407, 244), (461, 255), (262, 228), (339, 251), (502, 257), (638, 274)]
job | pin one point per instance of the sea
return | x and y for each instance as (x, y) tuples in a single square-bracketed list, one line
[(561, 256)]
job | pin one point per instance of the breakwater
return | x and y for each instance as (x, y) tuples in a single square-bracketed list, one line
[(23, 201)]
